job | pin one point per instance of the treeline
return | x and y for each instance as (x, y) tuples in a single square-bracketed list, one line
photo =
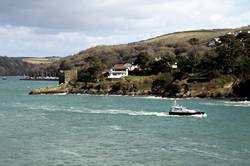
[(230, 55)]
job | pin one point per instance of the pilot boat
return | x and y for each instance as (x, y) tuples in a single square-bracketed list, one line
[(183, 111)]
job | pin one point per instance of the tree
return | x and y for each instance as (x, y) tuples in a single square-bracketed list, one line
[(195, 56), (184, 63), (144, 61), (163, 65), (91, 74), (228, 51)]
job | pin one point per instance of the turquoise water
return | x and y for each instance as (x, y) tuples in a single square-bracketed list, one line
[(75, 130)]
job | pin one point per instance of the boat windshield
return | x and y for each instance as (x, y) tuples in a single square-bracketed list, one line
[(177, 108)]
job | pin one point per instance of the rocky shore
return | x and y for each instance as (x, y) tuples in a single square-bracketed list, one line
[(180, 89), (68, 89)]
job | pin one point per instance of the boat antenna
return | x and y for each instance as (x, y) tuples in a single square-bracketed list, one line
[(175, 102)]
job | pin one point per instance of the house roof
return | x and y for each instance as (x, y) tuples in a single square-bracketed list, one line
[(119, 67)]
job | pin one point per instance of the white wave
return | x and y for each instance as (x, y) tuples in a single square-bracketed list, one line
[(159, 98), (54, 94), (60, 94), (205, 153), (150, 97), (212, 104), (237, 105), (70, 153), (115, 127), (238, 102), (82, 94), (200, 116), (164, 98), (229, 103)]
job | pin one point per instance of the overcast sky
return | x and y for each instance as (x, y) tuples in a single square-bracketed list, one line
[(64, 27)]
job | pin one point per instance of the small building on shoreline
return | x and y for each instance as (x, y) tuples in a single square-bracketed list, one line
[(68, 76)]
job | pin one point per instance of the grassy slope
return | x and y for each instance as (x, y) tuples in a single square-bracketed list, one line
[(36, 60), (203, 35)]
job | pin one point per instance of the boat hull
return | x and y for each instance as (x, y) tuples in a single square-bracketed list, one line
[(187, 113)]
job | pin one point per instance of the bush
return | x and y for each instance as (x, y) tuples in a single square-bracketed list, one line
[(161, 83)]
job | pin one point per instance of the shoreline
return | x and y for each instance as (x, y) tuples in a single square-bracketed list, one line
[(149, 96), (224, 92)]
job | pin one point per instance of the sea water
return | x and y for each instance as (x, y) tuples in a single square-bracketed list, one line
[(74, 130)]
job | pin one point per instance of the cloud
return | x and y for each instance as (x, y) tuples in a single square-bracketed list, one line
[(216, 17), (24, 41), (62, 27)]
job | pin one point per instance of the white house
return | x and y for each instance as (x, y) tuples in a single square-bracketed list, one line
[(118, 71)]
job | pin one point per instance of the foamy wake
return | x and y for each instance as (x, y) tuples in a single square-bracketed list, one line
[(129, 112), (199, 116), (107, 111), (53, 108), (142, 113)]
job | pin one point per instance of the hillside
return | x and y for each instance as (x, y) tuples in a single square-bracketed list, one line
[(164, 45), (13, 66), (211, 63)]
